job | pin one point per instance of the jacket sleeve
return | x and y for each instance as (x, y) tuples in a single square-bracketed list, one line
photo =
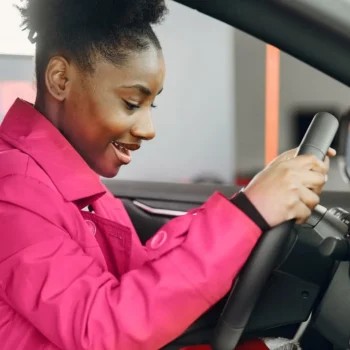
[(47, 278)]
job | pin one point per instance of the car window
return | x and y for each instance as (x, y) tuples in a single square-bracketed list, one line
[(210, 119), (303, 91)]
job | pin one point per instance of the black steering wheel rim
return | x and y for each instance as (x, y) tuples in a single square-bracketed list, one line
[(248, 286)]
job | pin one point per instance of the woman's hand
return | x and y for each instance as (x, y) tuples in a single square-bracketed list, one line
[(289, 187)]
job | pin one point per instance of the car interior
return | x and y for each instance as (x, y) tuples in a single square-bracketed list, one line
[(307, 295)]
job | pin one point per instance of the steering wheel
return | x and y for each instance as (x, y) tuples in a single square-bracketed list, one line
[(259, 267)]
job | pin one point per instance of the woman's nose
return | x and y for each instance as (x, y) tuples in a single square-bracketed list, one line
[(144, 127)]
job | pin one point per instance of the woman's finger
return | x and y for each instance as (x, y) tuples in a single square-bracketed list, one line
[(309, 197), (331, 152), (327, 162), (313, 180)]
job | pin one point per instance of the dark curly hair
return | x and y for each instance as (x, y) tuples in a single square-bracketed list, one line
[(79, 30)]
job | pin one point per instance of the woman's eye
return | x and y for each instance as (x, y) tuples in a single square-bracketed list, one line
[(131, 106)]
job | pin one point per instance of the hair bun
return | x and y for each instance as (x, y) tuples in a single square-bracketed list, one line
[(50, 16)]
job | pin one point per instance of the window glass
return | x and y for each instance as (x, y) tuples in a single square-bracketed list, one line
[(210, 119)]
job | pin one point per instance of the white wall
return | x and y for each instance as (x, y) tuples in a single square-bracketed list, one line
[(13, 41)]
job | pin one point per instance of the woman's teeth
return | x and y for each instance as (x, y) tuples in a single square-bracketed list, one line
[(121, 148)]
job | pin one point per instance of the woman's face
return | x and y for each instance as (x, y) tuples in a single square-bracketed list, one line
[(107, 114)]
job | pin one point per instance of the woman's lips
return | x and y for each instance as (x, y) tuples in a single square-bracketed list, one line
[(122, 153)]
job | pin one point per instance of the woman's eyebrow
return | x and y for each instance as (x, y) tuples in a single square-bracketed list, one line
[(143, 89)]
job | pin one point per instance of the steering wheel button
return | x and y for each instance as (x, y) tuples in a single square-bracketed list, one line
[(158, 240)]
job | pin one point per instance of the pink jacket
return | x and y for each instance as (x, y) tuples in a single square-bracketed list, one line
[(74, 280)]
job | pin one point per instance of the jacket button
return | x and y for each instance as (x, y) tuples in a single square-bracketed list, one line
[(92, 226), (158, 240)]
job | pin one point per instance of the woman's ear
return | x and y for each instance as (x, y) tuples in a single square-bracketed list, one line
[(57, 77)]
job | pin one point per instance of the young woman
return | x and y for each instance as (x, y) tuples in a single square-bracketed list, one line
[(71, 279)]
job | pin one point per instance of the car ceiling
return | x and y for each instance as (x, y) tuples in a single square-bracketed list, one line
[(304, 29)]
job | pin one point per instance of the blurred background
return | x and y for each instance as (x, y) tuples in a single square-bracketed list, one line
[(210, 119)]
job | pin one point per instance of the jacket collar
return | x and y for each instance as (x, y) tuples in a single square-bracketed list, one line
[(29, 131)]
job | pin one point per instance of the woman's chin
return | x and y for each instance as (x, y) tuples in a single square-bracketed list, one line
[(107, 171), (110, 173), (106, 167)]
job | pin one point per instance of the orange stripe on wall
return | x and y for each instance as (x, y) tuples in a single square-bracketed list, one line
[(272, 102)]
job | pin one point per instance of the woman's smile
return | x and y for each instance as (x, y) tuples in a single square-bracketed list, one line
[(123, 151)]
